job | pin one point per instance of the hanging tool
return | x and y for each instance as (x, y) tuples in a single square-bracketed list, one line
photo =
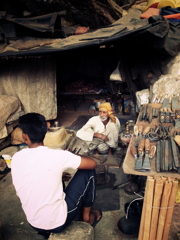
[(166, 155), (162, 150), (152, 152), (146, 131), (170, 159), (150, 114), (175, 153), (140, 130), (134, 153), (158, 156), (138, 165), (136, 135), (146, 164)]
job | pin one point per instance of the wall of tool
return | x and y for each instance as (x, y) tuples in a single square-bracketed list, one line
[(159, 139)]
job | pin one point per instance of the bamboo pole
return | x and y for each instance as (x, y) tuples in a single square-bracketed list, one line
[(170, 209), (163, 209), (148, 212), (155, 211), (149, 181), (141, 228)]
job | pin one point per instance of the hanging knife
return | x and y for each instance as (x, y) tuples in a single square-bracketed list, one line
[(146, 164), (140, 130), (152, 152), (158, 156), (138, 165), (166, 155), (134, 153), (136, 135)]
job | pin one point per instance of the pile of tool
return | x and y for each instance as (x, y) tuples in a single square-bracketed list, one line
[(167, 112), (161, 135), (142, 150)]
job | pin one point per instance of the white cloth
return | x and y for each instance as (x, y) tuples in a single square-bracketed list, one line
[(37, 177), (95, 125)]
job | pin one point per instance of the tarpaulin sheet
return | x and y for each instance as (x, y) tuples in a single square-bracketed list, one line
[(157, 31)]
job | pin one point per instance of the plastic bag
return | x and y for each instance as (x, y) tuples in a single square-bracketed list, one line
[(142, 97), (115, 75)]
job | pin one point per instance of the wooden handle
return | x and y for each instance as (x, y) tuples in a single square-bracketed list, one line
[(133, 150), (141, 145), (152, 151), (135, 130), (147, 144), (169, 110), (140, 128), (146, 130)]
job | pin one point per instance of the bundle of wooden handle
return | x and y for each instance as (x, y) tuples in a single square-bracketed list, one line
[(158, 206)]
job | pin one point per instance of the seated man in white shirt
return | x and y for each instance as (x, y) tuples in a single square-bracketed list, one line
[(37, 177), (101, 132)]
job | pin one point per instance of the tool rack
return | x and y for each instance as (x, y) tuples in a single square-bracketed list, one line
[(129, 162), (160, 215)]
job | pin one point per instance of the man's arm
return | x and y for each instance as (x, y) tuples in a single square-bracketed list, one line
[(101, 136), (87, 163)]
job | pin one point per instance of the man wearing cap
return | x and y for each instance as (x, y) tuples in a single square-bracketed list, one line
[(101, 132)]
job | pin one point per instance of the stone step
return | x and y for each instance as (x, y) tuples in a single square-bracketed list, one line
[(76, 230)]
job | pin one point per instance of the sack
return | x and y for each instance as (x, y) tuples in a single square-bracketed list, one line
[(16, 137), (115, 75), (57, 138)]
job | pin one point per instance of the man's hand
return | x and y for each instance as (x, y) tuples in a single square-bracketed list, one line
[(66, 176), (101, 136)]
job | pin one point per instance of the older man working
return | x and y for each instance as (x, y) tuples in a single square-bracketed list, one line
[(101, 132)]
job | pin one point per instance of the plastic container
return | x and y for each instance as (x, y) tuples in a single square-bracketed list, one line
[(162, 3), (7, 158)]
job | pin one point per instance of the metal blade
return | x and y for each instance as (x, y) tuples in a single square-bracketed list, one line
[(138, 165), (146, 164)]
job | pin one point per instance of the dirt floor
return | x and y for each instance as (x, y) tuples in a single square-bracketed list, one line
[(14, 224)]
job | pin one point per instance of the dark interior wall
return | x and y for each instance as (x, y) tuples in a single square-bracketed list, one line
[(88, 65), (93, 65)]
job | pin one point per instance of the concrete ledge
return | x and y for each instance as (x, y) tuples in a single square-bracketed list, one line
[(76, 230)]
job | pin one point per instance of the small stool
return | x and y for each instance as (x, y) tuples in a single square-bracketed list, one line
[(76, 230)]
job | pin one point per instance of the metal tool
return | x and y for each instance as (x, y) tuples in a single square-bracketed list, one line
[(158, 157), (152, 152), (146, 131), (134, 153), (146, 164), (138, 165), (140, 130), (136, 135), (120, 185), (166, 155), (175, 153)]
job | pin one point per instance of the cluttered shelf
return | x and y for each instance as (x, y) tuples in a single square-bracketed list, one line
[(130, 161)]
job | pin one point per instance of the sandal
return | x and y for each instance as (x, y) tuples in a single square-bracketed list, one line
[(95, 217)]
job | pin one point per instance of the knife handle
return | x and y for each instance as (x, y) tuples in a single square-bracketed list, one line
[(135, 130), (140, 128), (133, 150), (141, 145), (146, 130), (147, 144), (152, 151)]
